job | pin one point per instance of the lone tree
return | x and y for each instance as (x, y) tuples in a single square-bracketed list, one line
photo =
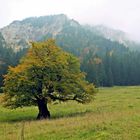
[(45, 74)]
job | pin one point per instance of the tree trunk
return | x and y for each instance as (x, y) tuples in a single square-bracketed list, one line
[(43, 110)]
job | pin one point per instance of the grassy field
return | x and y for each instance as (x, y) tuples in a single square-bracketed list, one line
[(114, 115)]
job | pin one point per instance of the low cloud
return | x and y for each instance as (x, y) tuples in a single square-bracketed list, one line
[(119, 14)]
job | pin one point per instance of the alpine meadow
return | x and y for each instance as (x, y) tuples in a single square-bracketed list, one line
[(70, 70)]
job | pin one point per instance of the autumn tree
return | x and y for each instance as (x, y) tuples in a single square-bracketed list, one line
[(46, 74)]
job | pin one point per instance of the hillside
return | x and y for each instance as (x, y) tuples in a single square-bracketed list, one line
[(109, 33), (114, 35), (6, 55), (103, 52), (19, 33), (115, 114)]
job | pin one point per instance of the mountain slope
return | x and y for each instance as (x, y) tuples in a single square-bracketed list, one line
[(103, 53), (19, 33), (114, 35), (5, 57)]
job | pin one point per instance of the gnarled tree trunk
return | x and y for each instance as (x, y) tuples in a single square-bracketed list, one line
[(43, 110)]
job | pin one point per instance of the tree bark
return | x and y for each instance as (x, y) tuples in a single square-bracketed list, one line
[(43, 110)]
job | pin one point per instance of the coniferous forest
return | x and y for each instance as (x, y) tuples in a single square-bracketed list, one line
[(110, 64)]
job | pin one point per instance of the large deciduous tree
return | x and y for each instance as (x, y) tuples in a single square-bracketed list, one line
[(46, 74)]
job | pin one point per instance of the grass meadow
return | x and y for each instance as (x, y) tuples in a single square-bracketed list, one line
[(114, 115)]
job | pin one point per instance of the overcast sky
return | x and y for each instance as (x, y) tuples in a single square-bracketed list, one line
[(119, 14)]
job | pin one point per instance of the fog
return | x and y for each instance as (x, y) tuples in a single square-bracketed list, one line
[(118, 14)]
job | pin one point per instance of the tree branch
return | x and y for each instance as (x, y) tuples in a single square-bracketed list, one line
[(62, 98)]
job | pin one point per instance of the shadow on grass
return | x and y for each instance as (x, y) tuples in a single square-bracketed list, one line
[(12, 119), (73, 114), (18, 119)]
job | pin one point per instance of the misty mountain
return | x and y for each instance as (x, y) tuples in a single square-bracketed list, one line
[(104, 53), (109, 33), (114, 35), (19, 33)]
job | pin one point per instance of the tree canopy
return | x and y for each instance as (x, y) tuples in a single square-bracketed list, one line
[(46, 74)]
